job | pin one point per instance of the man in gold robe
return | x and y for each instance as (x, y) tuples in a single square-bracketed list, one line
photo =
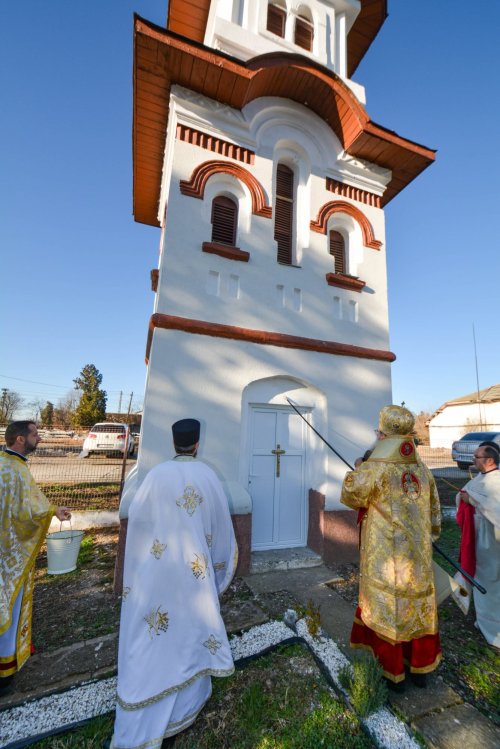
[(400, 516), (25, 515)]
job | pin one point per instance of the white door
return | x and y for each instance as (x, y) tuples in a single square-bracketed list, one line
[(276, 481)]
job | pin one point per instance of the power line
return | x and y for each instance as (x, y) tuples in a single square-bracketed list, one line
[(35, 382), (49, 384)]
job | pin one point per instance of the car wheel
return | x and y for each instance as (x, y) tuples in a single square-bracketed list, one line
[(463, 466)]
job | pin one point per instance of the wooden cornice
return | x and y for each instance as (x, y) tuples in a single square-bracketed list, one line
[(162, 58), (264, 337)]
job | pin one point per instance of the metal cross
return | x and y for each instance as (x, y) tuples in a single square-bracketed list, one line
[(278, 452)]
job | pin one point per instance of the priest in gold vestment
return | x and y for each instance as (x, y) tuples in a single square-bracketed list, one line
[(400, 516), (25, 515)]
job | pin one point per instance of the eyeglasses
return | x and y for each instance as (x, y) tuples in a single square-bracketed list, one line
[(480, 457)]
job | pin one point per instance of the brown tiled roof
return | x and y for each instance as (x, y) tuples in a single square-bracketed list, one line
[(488, 395), (162, 59)]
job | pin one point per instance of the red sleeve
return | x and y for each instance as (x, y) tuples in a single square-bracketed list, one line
[(467, 553)]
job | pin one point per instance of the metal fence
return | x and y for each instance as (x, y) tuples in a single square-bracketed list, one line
[(449, 478), (68, 478), (93, 483)]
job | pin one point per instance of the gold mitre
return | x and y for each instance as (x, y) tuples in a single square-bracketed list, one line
[(395, 420)]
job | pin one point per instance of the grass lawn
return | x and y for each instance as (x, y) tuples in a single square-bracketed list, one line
[(278, 701), (84, 495)]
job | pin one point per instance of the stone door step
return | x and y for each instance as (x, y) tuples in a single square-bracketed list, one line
[(283, 559)]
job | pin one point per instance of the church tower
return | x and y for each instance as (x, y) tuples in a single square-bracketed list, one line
[(256, 158)]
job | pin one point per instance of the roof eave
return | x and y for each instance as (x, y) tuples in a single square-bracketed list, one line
[(162, 58)]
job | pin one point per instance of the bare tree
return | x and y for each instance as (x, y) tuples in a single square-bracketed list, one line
[(63, 412), (35, 407), (422, 427), (10, 402)]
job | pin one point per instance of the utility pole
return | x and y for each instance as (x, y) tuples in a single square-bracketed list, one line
[(477, 378), (4, 404), (130, 403), (120, 402)]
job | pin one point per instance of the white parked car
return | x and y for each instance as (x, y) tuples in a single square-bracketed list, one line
[(108, 437)]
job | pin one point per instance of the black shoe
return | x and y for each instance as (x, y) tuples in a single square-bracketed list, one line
[(6, 685), (395, 686), (419, 680)]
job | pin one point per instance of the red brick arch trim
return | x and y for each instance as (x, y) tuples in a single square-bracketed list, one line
[(195, 186), (264, 337), (340, 206)]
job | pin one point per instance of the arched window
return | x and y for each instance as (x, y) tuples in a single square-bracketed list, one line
[(276, 20), (304, 32), (224, 220), (337, 249), (284, 213)]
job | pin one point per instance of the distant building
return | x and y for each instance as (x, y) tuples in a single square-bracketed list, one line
[(133, 419), (476, 412)]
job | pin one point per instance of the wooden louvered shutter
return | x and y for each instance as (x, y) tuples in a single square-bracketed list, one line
[(337, 249), (224, 220), (276, 18), (303, 33), (283, 218)]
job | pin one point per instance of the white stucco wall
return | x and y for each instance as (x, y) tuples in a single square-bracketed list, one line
[(210, 379), (456, 420)]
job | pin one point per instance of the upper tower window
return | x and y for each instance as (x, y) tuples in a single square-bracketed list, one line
[(337, 249), (304, 31), (224, 220), (284, 213), (276, 20)]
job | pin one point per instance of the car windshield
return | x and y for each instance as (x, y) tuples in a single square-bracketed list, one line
[(116, 428)]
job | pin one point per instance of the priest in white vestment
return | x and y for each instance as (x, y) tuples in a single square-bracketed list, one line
[(180, 556), (483, 493)]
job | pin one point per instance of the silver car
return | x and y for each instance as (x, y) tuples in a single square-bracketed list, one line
[(462, 451)]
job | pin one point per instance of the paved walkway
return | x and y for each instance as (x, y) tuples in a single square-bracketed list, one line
[(437, 713)]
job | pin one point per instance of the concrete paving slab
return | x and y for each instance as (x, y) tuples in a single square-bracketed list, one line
[(292, 580), (458, 727), (242, 615), (415, 703), (283, 559)]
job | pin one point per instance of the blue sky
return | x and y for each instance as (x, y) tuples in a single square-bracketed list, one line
[(75, 280)]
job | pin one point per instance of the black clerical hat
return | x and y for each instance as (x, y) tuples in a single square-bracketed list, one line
[(186, 432)]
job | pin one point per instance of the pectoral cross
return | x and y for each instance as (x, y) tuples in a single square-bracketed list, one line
[(278, 452)]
